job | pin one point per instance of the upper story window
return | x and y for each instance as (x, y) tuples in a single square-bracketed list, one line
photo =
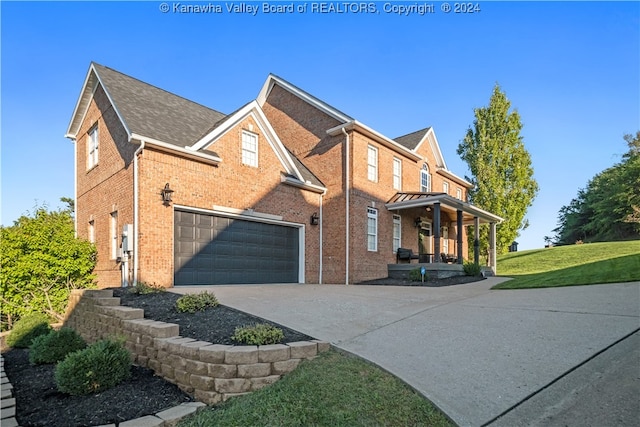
[(425, 179), (372, 229), (372, 163), (459, 193), (92, 231), (397, 173), (92, 147), (445, 187), (249, 148)]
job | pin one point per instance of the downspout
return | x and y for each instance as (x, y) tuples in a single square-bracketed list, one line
[(320, 231), (75, 187), (135, 213), (346, 192)]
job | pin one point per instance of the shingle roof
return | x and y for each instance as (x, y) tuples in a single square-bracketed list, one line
[(156, 113), (307, 175), (412, 139)]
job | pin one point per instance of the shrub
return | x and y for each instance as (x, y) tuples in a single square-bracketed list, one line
[(142, 288), (258, 334), (54, 346), (416, 276), (28, 328), (41, 261), (94, 369), (191, 303), (472, 269)]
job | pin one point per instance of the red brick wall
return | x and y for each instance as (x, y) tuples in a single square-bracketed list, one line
[(107, 187), (231, 184)]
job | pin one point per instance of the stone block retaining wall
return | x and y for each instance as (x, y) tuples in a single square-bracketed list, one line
[(209, 372)]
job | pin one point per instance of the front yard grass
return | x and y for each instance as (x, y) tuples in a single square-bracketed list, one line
[(331, 390), (586, 264)]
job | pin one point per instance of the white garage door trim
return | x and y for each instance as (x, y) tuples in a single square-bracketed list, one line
[(250, 215)]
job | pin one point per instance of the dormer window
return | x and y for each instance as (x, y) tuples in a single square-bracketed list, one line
[(92, 147)]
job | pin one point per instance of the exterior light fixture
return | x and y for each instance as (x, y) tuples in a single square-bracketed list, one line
[(315, 220), (418, 222), (166, 195)]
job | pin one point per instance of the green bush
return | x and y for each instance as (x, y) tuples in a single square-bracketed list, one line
[(54, 346), (94, 369), (258, 334), (191, 303), (416, 276), (472, 269), (29, 327), (142, 288)]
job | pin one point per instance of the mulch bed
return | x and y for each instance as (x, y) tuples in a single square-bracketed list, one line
[(38, 402)]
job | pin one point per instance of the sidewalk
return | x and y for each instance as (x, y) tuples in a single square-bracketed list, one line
[(473, 352)]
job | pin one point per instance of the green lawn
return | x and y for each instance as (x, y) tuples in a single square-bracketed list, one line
[(331, 390), (591, 263)]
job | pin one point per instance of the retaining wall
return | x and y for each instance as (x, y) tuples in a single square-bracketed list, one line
[(209, 372)]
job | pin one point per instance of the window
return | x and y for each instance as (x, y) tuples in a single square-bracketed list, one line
[(397, 173), (113, 234), (445, 187), (425, 179), (92, 231), (445, 240), (397, 232), (92, 147), (372, 163), (459, 193), (372, 229), (249, 149)]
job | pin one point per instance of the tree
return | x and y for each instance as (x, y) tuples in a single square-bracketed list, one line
[(42, 261), (501, 169), (609, 207)]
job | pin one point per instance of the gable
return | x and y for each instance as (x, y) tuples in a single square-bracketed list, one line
[(145, 111), (248, 117)]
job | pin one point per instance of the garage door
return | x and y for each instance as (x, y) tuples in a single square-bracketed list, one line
[(210, 249)]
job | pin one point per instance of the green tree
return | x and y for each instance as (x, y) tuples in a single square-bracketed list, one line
[(609, 207), (41, 262), (501, 169)]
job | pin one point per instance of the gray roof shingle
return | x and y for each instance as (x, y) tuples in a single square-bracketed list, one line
[(412, 139), (156, 113)]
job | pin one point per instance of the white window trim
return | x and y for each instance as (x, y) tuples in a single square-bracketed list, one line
[(372, 168), (372, 235), (397, 240), (113, 234), (249, 156), (424, 173), (397, 174), (459, 193), (93, 145), (445, 187)]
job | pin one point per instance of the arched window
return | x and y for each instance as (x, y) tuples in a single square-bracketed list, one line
[(425, 179)]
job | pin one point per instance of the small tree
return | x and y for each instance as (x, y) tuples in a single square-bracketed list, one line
[(41, 262), (502, 174)]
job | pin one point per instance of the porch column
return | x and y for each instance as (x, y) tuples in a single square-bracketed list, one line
[(459, 229), (492, 248), (436, 232), (476, 240)]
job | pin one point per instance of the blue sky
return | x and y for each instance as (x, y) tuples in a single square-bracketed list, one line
[(571, 69)]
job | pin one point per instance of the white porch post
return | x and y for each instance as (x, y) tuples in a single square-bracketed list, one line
[(476, 240), (492, 248)]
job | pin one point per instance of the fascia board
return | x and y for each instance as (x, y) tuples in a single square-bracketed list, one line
[(454, 177), (83, 99), (305, 96), (376, 136), (163, 146), (304, 185), (448, 201)]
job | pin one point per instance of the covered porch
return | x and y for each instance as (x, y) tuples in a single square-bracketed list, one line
[(439, 213)]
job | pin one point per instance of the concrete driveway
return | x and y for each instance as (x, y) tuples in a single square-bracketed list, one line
[(483, 357)]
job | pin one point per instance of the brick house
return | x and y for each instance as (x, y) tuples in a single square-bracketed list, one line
[(286, 189)]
